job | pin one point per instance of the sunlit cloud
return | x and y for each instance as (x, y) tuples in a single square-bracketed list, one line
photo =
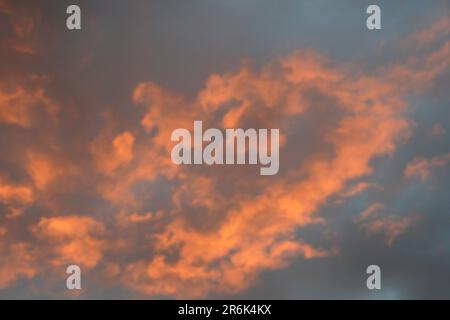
[(95, 186)]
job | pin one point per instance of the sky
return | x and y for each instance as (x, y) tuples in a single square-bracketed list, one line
[(86, 176)]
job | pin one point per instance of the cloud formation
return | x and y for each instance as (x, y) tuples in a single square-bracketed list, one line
[(97, 187), (374, 221), (422, 167)]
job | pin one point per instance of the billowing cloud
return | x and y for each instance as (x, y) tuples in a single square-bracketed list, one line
[(111, 155), (72, 239), (257, 233)]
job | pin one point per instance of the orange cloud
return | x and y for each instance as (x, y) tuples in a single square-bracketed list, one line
[(256, 233), (18, 261), (72, 239), (22, 22), (425, 37), (19, 106), (12, 193), (111, 155), (391, 227), (357, 188), (369, 212), (42, 169), (196, 230), (422, 167)]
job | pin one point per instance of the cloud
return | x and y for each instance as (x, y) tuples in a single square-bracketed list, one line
[(42, 169), (437, 130), (422, 167), (19, 263), (257, 233), (110, 155), (374, 221), (13, 193), (20, 106), (21, 20), (72, 239), (357, 188), (425, 37), (190, 231)]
